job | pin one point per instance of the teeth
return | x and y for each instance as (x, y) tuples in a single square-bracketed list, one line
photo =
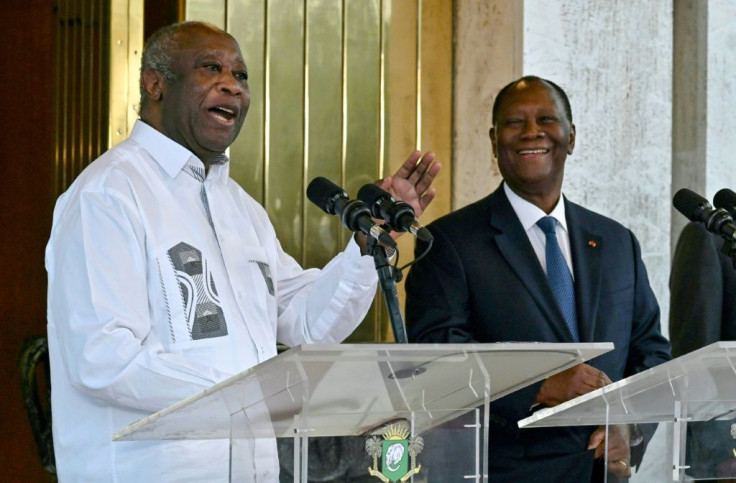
[(533, 151), (223, 113)]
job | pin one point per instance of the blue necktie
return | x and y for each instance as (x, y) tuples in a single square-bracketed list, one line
[(559, 277)]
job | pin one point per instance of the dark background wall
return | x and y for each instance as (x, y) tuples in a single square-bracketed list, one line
[(26, 148), (26, 203)]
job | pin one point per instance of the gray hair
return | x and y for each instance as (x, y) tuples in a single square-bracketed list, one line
[(158, 52)]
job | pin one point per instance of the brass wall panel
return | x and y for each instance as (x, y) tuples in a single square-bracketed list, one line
[(401, 49), (246, 21), (211, 11), (284, 187), (361, 93), (81, 63), (433, 105), (401, 75), (126, 44), (323, 234), (435, 78), (362, 124)]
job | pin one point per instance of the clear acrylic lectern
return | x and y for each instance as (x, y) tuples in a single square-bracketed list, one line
[(407, 391), (693, 398)]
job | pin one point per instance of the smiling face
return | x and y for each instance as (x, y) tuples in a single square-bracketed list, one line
[(531, 139), (204, 107)]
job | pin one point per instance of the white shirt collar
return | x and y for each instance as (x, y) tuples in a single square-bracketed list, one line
[(529, 214), (170, 155)]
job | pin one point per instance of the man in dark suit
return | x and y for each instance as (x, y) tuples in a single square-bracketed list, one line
[(485, 280), (703, 311)]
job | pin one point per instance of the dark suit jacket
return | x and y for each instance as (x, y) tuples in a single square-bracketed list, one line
[(482, 282), (703, 289), (703, 311)]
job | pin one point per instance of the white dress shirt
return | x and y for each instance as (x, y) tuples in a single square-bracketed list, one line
[(529, 214), (163, 282)]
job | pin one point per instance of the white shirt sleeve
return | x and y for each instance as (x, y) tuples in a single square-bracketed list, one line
[(324, 306)]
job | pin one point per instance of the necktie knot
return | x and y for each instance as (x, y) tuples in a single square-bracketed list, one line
[(548, 225)]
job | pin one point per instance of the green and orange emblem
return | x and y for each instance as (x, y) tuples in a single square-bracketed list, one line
[(395, 451)]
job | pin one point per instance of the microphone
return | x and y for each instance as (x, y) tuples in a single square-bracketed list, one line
[(354, 214), (726, 199), (697, 208), (399, 215)]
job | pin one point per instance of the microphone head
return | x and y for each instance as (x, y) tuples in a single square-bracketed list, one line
[(371, 194), (323, 193), (726, 199), (692, 205)]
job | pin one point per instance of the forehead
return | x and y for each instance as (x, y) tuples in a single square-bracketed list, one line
[(195, 42), (534, 94)]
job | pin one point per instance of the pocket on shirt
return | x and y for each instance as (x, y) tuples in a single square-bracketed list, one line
[(260, 268), (193, 306), (263, 295)]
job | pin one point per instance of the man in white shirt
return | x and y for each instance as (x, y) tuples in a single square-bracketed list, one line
[(165, 277)]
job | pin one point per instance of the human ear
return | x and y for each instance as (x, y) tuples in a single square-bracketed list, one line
[(494, 147), (153, 84), (571, 140)]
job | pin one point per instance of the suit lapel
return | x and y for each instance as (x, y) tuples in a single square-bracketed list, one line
[(513, 243), (585, 245)]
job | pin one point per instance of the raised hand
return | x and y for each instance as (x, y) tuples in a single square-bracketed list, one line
[(412, 181)]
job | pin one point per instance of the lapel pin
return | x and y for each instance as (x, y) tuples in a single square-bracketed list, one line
[(592, 243)]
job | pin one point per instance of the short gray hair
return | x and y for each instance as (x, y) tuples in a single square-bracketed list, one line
[(159, 49)]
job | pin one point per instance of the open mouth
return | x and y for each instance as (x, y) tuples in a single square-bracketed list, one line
[(532, 151), (223, 114)]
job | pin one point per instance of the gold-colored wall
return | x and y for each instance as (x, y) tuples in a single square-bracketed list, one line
[(97, 55), (344, 89)]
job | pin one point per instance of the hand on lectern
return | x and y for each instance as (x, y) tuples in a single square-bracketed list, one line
[(571, 383)]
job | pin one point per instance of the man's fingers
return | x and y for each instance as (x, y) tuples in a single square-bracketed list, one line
[(426, 198), (407, 169), (419, 170), (428, 176)]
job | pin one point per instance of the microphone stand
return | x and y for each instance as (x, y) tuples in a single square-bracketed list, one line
[(388, 285)]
